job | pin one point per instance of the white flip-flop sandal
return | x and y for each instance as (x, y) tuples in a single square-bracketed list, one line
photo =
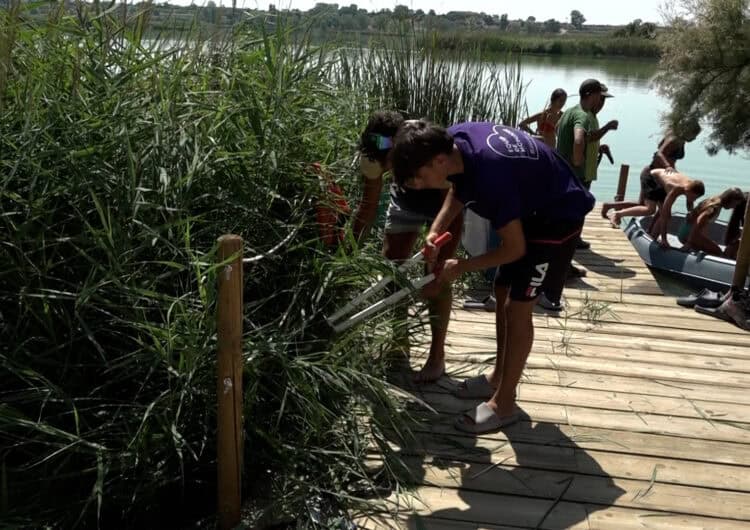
[(484, 420)]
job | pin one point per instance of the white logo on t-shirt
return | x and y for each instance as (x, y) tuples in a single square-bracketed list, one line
[(512, 143)]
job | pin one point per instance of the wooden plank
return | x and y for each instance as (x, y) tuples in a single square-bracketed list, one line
[(457, 369), (576, 361), (496, 478), (599, 315), (603, 311), (593, 338), (729, 338), (632, 421), (484, 508), (578, 339), (648, 371), (711, 360), (528, 391), (542, 454), (658, 300), (540, 432), (385, 521)]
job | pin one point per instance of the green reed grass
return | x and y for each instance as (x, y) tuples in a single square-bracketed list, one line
[(591, 44), (124, 154), (411, 73), (122, 161)]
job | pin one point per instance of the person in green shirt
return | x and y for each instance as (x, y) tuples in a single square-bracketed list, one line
[(595, 150), (578, 133), (578, 136)]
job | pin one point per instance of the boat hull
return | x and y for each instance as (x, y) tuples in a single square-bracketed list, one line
[(696, 268)]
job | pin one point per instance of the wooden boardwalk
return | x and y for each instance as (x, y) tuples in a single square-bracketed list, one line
[(638, 416)]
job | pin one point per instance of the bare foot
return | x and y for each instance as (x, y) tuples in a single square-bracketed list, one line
[(433, 370), (614, 219)]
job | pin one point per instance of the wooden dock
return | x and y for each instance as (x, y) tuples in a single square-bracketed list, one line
[(638, 416)]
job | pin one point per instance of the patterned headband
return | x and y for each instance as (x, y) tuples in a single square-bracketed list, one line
[(382, 143)]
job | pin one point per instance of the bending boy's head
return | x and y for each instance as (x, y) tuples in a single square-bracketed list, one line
[(420, 155), (694, 190), (731, 198), (377, 138)]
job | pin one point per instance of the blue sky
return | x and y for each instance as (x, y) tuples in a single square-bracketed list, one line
[(595, 11)]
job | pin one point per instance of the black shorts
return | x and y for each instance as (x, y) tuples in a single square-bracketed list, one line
[(550, 245), (650, 187)]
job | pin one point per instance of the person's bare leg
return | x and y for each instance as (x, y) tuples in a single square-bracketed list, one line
[(618, 205), (399, 247), (654, 227), (704, 244), (519, 339), (635, 211), (439, 307), (501, 299), (731, 251)]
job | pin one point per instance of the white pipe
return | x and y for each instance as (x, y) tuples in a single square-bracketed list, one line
[(382, 304)]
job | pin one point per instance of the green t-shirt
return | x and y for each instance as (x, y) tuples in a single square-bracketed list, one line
[(572, 119), (592, 151)]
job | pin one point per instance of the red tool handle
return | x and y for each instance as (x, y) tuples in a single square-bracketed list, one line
[(440, 240)]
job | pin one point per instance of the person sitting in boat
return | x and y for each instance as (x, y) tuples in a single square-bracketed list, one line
[(693, 232), (670, 149), (660, 189), (546, 121), (734, 228)]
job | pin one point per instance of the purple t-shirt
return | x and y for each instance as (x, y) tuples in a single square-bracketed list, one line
[(510, 175)]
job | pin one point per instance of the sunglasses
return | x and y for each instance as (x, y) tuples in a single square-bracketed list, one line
[(382, 143)]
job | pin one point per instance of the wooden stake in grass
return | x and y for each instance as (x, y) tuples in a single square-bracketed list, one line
[(622, 183), (743, 254), (229, 389)]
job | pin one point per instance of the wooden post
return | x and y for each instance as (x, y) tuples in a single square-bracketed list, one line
[(622, 183), (229, 388), (743, 254)]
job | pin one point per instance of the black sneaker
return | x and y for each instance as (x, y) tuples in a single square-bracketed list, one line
[(576, 272), (582, 245), (691, 299), (549, 305)]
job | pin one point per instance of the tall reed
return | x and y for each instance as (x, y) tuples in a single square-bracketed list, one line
[(122, 161), (410, 72)]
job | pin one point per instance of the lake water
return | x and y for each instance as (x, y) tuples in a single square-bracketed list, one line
[(637, 106)]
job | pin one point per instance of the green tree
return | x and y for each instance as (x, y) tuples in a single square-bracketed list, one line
[(531, 24), (504, 21), (401, 12), (705, 70), (551, 26), (648, 30), (577, 19), (637, 28), (210, 12)]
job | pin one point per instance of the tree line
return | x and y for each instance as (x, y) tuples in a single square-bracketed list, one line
[(352, 18)]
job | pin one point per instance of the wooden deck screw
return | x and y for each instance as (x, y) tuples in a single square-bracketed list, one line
[(229, 387), (743, 254), (622, 183)]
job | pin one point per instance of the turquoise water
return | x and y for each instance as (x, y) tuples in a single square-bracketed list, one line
[(638, 107)]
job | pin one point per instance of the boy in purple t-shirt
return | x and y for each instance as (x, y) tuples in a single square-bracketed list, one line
[(537, 206)]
